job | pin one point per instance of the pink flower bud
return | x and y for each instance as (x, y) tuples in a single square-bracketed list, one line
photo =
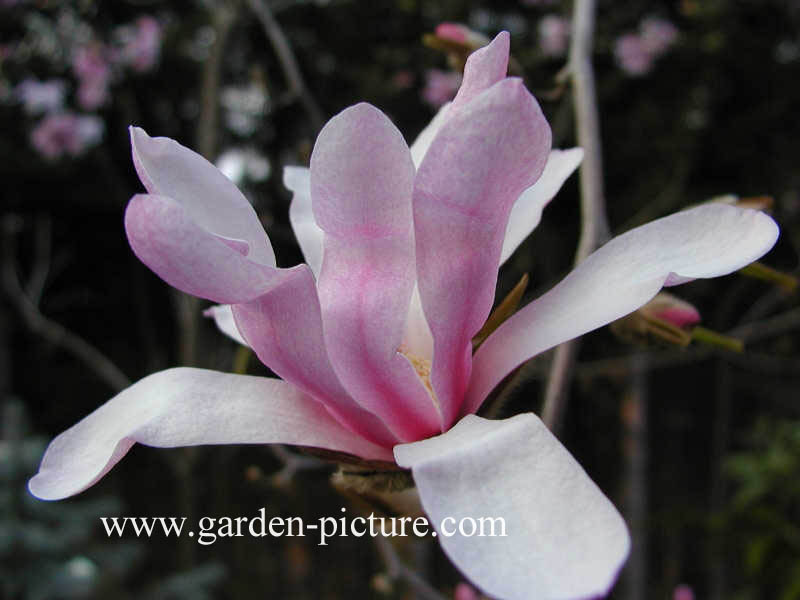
[(464, 591), (683, 592)]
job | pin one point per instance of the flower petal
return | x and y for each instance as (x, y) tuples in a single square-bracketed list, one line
[(480, 162), (165, 238), (284, 329), (426, 136), (223, 317), (527, 210), (187, 407), (706, 241), (484, 68), (563, 538), (308, 233), (362, 178), (211, 200), (418, 339)]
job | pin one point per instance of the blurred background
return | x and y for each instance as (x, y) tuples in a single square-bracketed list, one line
[(698, 446)]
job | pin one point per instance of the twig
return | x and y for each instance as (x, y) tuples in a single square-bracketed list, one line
[(187, 308), (749, 332), (292, 463), (635, 476), (222, 19), (41, 265), (291, 70), (53, 332), (397, 570), (594, 224)]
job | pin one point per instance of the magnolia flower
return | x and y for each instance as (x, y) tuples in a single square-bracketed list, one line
[(94, 76), (141, 43), (41, 96), (553, 35), (63, 133), (461, 34), (657, 34), (633, 55), (440, 86), (372, 337), (636, 52)]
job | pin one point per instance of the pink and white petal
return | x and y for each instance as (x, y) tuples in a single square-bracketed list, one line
[(707, 241), (308, 233), (165, 238), (223, 318), (484, 68), (418, 339), (563, 538), (527, 210), (425, 137), (212, 201), (188, 407), (362, 179), (284, 329), (480, 162)]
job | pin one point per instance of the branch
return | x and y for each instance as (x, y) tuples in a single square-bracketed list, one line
[(749, 332), (594, 224), (397, 570), (51, 331), (291, 464), (187, 308), (294, 79)]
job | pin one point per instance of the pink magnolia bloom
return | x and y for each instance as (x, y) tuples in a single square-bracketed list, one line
[(636, 52), (41, 96), (632, 54), (58, 134), (465, 591), (461, 34), (440, 86), (657, 35), (553, 35), (141, 44), (94, 76), (683, 592), (372, 337)]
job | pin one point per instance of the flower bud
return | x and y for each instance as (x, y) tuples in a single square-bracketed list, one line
[(665, 319)]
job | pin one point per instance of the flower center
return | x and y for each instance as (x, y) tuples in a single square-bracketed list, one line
[(423, 368)]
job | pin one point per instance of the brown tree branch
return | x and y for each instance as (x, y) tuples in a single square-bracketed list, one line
[(53, 332), (286, 58)]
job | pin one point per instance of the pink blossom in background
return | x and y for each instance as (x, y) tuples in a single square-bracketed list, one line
[(403, 79), (553, 35), (637, 52), (372, 336), (41, 96), (683, 592), (141, 44), (632, 54), (461, 34), (94, 76), (440, 86), (60, 134), (465, 591), (657, 35)]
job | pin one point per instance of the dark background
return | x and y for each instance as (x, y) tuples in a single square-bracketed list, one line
[(701, 450)]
